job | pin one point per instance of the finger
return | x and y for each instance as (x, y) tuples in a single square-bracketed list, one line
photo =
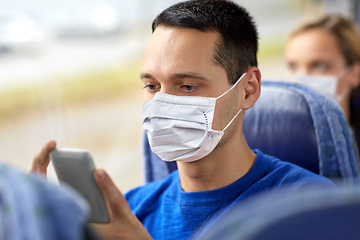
[(117, 203), (102, 229), (42, 159)]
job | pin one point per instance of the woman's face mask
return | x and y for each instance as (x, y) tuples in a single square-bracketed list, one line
[(326, 85)]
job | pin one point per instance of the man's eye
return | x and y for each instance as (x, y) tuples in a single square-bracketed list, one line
[(151, 87), (188, 88)]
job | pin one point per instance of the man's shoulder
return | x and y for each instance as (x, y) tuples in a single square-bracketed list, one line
[(283, 173)]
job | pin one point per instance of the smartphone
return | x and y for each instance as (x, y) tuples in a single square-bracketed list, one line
[(75, 167)]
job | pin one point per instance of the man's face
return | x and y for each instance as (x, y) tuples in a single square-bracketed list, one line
[(179, 61)]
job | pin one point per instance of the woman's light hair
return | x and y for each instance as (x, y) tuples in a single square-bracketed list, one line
[(344, 30)]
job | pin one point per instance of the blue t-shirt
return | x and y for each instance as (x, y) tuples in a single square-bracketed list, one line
[(167, 212)]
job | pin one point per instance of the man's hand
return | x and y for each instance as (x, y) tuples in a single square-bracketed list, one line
[(123, 223), (42, 159)]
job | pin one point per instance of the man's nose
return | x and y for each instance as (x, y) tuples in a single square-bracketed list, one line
[(167, 89)]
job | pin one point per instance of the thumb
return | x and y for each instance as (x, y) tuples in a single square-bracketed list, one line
[(117, 203), (42, 159)]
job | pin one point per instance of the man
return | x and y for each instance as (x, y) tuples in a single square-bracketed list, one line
[(200, 71)]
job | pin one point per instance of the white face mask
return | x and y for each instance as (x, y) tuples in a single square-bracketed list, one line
[(179, 128), (326, 85)]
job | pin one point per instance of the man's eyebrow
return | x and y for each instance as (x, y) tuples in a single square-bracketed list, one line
[(188, 75), (146, 75)]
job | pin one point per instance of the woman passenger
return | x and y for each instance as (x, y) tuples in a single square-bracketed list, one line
[(325, 54)]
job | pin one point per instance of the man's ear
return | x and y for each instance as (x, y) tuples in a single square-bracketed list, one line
[(252, 87)]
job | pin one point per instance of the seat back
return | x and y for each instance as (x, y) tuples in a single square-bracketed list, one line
[(33, 208), (294, 123), (311, 214), (280, 124)]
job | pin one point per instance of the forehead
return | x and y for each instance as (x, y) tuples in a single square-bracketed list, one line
[(182, 48), (313, 44), (182, 37)]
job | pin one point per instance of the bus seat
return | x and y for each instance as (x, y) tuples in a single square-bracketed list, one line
[(294, 123), (310, 214), (33, 208)]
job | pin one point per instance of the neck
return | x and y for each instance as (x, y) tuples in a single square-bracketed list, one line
[(226, 164)]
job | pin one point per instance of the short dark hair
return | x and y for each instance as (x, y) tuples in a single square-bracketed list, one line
[(236, 50)]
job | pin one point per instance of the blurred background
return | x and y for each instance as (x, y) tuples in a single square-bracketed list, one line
[(69, 71)]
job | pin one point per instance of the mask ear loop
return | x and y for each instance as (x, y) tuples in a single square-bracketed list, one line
[(242, 76), (232, 86), (340, 97), (231, 120)]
